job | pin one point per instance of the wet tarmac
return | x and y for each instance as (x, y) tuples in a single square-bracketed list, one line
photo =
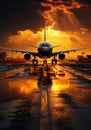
[(45, 97)]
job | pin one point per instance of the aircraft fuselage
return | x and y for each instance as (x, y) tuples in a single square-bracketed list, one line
[(45, 50)]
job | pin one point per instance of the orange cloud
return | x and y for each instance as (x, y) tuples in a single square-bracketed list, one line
[(58, 5), (67, 39)]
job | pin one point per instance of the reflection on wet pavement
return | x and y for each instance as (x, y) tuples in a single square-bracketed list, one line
[(44, 98)]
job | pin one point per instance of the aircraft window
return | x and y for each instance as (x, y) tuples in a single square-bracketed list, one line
[(44, 45)]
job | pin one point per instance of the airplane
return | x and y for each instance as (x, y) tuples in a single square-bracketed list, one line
[(44, 51)]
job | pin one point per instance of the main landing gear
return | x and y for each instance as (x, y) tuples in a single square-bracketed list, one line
[(54, 61), (35, 61)]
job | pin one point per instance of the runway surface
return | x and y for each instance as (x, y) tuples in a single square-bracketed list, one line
[(45, 97)]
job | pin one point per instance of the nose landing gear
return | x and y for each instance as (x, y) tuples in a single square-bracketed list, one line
[(45, 61)]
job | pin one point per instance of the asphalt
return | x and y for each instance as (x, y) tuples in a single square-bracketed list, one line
[(45, 97)]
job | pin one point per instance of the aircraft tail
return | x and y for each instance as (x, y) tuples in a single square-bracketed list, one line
[(45, 35)]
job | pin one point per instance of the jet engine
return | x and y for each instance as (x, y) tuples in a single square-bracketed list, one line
[(27, 56), (61, 56)]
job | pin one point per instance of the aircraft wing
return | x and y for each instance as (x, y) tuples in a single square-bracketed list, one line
[(67, 51), (17, 50)]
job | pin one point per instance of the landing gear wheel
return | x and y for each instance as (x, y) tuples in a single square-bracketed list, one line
[(35, 62), (54, 61), (44, 62)]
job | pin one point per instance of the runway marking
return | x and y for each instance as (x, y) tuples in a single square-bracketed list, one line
[(48, 110), (45, 119), (73, 72)]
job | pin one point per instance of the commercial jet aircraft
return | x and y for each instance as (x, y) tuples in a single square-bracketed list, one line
[(44, 50)]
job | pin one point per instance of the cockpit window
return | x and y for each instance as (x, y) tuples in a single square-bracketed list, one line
[(44, 45)]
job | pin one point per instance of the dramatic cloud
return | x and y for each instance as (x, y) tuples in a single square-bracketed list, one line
[(68, 23), (60, 12), (20, 14)]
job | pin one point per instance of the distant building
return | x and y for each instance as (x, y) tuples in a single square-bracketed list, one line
[(81, 58), (88, 58), (2, 56)]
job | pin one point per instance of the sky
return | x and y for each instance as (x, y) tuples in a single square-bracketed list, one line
[(68, 22)]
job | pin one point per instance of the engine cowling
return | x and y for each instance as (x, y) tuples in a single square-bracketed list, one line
[(27, 56), (61, 56)]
